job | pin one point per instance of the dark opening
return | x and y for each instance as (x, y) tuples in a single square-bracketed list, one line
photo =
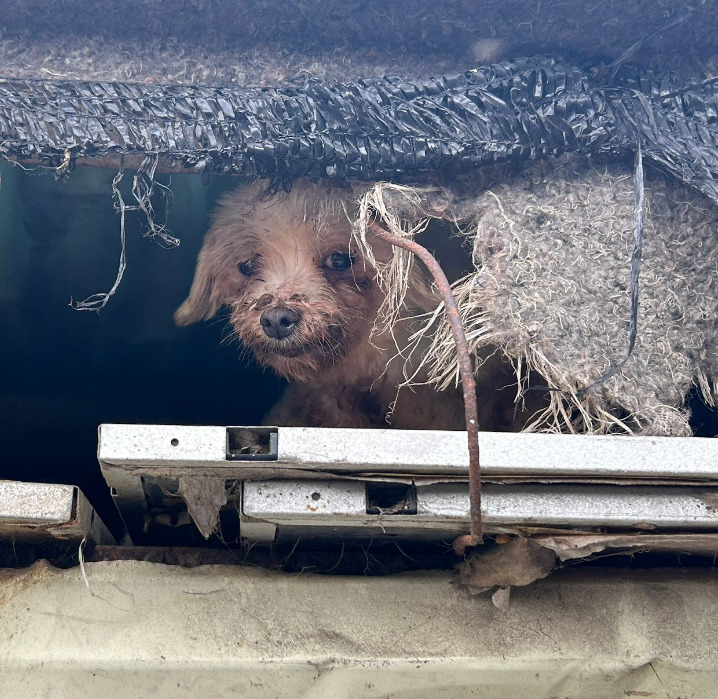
[(252, 443), (390, 499), (65, 372)]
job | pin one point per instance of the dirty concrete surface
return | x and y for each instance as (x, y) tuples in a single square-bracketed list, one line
[(144, 629)]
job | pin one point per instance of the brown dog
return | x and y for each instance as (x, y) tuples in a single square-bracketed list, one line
[(304, 300)]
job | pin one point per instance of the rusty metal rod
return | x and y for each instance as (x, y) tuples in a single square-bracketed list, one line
[(466, 371)]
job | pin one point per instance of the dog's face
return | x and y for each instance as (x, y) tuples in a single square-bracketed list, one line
[(301, 296)]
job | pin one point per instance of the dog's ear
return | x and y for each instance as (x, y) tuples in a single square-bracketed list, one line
[(205, 297)]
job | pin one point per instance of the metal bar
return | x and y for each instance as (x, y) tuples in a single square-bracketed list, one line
[(37, 504), (128, 493), (308, 457), (341, 503), (149, 445), (320, 452), (42, 511)]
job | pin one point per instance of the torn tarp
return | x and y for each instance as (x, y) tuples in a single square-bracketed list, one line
[(517, 110)]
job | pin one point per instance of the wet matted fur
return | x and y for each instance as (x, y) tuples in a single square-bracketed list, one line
[(551, 249)]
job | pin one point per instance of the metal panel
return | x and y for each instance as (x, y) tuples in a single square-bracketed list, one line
[(502, 454), (316, 500)]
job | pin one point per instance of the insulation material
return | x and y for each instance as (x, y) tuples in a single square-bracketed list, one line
[(552, 250)]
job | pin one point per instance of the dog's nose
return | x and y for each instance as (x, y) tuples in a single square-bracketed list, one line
[(279, 322)]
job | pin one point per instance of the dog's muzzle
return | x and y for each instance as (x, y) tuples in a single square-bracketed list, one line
[(279, 322)]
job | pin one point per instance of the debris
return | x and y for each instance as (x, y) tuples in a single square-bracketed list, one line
[(143, 187), (517, 563), (205, 496), (575, 546), (501, 598)]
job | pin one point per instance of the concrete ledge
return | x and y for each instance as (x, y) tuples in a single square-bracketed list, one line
[(150, 630)]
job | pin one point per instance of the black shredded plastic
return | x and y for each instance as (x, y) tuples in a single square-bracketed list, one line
[(513, 111)]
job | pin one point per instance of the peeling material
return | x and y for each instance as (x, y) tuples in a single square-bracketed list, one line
[(575, 546), (205, 496)]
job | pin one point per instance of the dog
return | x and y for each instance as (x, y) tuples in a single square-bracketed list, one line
[(304, 300)]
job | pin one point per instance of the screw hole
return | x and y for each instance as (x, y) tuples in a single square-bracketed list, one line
[(316, 496), (174, 442)]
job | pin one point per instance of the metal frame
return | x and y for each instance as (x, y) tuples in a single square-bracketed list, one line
[(417, 453), (317, 480)]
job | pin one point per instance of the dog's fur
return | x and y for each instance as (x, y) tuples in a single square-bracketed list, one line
[(341, 377)]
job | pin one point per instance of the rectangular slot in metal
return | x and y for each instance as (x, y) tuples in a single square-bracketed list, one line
[(252, 444), (390, 499)]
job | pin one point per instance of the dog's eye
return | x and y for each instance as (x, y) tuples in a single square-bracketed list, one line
[(248, 267), (339, 260)]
